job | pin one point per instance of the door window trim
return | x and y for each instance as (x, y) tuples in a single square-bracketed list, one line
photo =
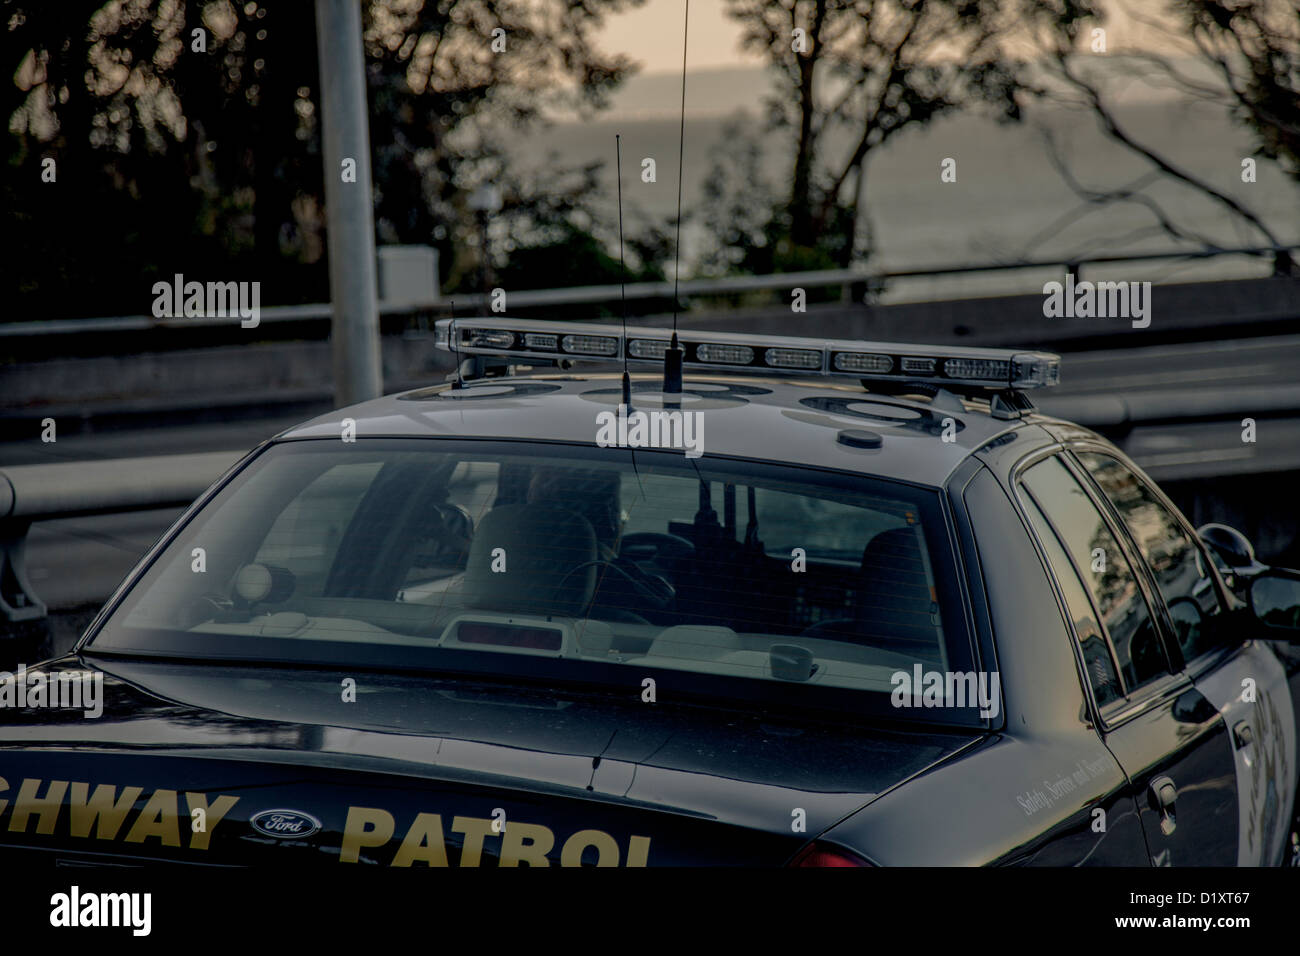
[(1134, 702), (1209, 659)]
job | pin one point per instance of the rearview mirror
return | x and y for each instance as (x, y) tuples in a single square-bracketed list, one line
[(1275, 601)]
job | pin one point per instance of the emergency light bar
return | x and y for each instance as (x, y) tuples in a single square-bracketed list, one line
[(536, 341)]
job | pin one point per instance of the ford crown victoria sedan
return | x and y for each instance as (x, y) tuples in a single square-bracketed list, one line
[(758, 601)]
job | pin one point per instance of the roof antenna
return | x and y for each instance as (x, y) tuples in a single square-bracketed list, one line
[(622, 265), (673, 354)]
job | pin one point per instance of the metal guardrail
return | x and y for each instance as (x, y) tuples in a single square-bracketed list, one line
[(584, 295), (30, 493)]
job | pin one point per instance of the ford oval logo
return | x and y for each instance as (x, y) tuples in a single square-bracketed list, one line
[(285, 824)]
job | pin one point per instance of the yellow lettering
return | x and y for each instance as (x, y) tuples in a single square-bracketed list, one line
[(475, 829), (102, 810), (365, 826), (574, 846), (46, 809), (526, 842), (214, 813), (638, 851), (159, 818), (423, 842)]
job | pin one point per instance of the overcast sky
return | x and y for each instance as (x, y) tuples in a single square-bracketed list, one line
[(652, 33)]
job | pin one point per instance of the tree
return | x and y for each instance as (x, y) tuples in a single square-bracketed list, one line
[(1243, 55), (869, 69), (179, 151)]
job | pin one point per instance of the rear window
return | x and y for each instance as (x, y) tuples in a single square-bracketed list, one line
[(559, 563)]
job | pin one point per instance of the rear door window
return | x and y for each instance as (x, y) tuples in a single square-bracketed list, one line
[(1177, 563), (1103, 567)]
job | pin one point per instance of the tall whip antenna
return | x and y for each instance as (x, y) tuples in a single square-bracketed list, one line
[(622, 265), (673, 356)]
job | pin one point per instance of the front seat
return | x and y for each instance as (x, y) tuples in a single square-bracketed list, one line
[(548, 556), (893, 606)]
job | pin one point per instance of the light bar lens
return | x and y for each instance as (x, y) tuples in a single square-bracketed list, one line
[(993, 370), (863, 362), (725, 354), (489, 338), (590, 344), (1038, 372), (793, 358), (542, 340), (647, 348), (507, 340)]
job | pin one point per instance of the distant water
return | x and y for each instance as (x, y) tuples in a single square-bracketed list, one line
[(1002, 207)]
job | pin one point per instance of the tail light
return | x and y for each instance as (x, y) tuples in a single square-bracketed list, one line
[(823, 854)]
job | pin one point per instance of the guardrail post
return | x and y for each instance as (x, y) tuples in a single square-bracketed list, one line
[(18, 602)]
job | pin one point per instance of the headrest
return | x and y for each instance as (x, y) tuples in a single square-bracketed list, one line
[(591, 492), (894, 590), (534, 550)]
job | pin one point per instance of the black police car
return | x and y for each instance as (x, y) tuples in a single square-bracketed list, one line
[(814, 603)]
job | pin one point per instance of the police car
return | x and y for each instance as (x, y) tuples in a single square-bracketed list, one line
[(624, 597)]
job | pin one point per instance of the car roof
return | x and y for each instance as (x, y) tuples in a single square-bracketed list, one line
[(787, 421)]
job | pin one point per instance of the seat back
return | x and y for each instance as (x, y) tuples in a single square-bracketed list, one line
[(545, 552)]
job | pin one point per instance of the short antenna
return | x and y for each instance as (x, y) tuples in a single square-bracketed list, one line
[(622, 265), (673, 355)]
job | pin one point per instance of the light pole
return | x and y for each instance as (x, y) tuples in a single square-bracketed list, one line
[(485, 201), (350, 225)]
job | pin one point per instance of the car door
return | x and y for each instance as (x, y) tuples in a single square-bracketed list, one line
[(1171, 741), (1242, 678)]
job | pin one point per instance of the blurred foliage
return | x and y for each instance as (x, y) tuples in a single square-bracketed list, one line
[(208, 162), (1254, 47), (865, 70)]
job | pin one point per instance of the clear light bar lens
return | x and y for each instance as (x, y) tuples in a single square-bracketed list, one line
[(489, 338), (1040, 372), (542, 340), (993, 370), (590, 344), (918, 366), (863, 362), (725, 354), (793, 358), (647, 348)]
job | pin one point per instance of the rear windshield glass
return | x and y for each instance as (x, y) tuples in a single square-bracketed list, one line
[(559, 563)]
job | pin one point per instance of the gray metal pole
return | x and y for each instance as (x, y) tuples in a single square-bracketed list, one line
[(350, 223)]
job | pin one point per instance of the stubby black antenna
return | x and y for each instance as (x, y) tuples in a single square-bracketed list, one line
[(622, 265), (673, 356)]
